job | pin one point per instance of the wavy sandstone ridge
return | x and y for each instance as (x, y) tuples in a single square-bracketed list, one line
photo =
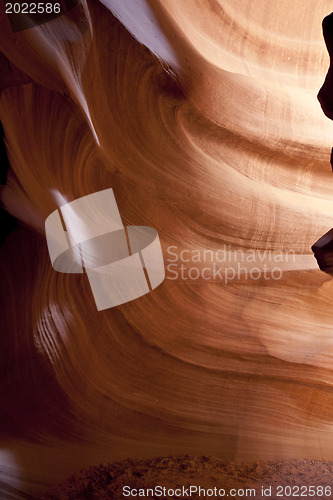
[(210, 132)]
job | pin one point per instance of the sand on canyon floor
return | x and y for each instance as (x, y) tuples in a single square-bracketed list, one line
[(300, 478)]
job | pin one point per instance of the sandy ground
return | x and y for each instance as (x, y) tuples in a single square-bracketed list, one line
[(258, 479)]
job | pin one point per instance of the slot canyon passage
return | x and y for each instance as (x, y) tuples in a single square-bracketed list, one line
[(202, 116)]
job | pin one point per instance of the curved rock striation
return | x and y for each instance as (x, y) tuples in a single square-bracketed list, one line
[(203, 119)]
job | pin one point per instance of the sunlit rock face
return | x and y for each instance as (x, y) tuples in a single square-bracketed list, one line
[(202, 117)]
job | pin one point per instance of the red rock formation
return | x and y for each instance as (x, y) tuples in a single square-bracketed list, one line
[(210, 132)]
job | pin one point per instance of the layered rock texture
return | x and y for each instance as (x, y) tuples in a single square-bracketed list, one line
[(203, 118)]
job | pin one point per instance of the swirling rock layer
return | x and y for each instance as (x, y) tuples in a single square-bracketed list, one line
[(203, 118)]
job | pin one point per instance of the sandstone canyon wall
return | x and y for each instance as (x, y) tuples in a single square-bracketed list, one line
[(202, 117)]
